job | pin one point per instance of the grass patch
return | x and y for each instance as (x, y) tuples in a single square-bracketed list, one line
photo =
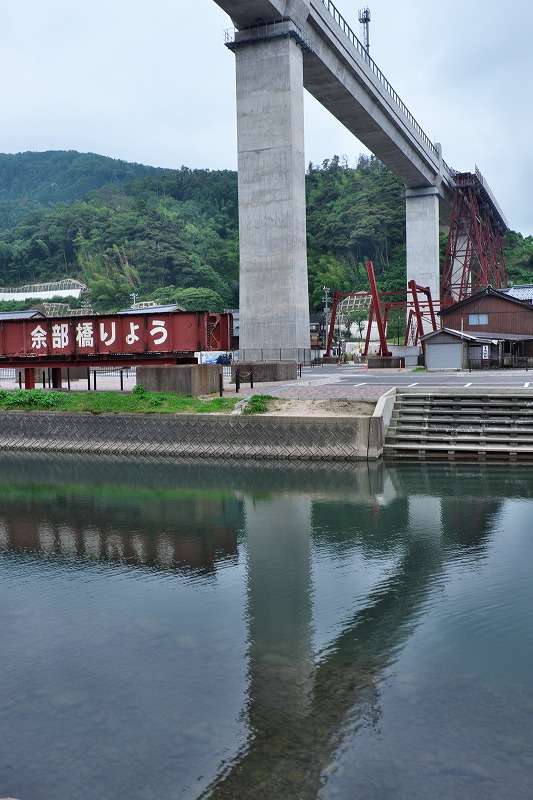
[(258, 404), (139, 401)]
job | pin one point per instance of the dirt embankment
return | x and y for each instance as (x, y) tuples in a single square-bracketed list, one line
[(319, 408)]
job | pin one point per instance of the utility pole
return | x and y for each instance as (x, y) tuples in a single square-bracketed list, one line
[(326, 291), (364, 19)]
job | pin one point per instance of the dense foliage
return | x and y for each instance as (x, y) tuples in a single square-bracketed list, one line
[(354, 214), (519, 257), (29, 181), (172, 236)]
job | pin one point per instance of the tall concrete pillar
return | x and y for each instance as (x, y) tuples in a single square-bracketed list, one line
[(274, 307), (422, 237)]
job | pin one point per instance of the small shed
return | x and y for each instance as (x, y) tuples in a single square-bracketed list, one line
[(446, 349)]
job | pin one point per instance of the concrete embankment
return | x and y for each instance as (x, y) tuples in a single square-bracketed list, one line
[(258, 437)]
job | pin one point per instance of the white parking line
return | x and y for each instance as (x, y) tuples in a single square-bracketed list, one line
[(412, 384), (359, 384), (526, 385), (467, 384)]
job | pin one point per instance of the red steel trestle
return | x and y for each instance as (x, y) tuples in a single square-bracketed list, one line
[(421, 316), (474, 254)]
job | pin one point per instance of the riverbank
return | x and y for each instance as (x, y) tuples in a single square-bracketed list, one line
[(278, 437)]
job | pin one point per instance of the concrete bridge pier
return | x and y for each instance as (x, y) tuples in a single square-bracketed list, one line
[(274, 309), (422, 238)]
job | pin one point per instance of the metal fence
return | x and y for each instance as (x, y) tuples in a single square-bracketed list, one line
[(507, 362)]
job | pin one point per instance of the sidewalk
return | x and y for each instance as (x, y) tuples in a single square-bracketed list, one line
[(319, 383)]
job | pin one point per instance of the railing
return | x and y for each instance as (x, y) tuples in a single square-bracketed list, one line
[(341, 22), (493, 200), (505, 362), (269, 30)]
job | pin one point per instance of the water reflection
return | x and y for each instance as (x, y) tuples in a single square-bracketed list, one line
[(300, 712), (340, 567)]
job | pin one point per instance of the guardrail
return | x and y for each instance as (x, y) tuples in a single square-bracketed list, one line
[(493, 200), (269, 30), (361, 49)]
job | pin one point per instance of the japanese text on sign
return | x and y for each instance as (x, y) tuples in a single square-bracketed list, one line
[(91, 333)]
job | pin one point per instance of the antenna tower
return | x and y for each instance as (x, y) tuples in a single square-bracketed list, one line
[(364, 19)]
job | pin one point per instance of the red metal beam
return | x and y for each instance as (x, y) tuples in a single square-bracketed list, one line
[(336, 298), (383, 349), (418, 313)]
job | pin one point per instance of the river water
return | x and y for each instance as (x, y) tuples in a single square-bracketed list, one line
[(177, 631)]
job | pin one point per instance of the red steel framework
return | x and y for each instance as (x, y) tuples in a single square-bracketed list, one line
[(474, 254), (421, 317), (160, 337)]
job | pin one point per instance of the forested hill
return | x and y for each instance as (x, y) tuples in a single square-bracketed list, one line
[(172, 236), (29, 181)]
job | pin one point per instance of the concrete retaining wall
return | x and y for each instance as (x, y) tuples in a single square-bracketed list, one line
[(379, 422), (265, 371), (385, 362), (258, 437), (409, 353), (187, 379)]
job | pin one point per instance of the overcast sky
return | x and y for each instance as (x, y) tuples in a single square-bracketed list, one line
[(151, 81)]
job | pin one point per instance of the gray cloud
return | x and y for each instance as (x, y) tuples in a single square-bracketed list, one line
[(153, 83)]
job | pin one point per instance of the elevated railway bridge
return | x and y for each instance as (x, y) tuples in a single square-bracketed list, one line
[(282, 47)]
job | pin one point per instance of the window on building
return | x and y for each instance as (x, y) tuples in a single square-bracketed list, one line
[(478, 319)]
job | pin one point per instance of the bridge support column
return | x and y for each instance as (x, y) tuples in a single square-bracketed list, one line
[(56, 377), (422, 238), (29, 378), (274, 308)]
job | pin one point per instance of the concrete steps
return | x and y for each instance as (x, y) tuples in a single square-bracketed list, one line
[(473, 425)]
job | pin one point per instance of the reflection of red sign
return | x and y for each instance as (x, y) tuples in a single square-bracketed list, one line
[(167, 337)]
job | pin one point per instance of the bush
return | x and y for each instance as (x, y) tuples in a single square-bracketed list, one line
[(258, 404), (32, 398)]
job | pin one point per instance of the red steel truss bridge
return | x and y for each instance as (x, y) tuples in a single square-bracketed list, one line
[(474, 254)]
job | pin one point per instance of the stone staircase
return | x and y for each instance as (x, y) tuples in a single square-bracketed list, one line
[(478, 425)]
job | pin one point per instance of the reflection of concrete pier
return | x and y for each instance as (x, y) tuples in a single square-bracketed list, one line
[(301, 706), (280, 614), (300, 712)]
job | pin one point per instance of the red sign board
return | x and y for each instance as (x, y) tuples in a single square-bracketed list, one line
[(128, 338)]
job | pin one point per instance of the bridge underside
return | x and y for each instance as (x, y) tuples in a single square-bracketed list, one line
[(281, 47)]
